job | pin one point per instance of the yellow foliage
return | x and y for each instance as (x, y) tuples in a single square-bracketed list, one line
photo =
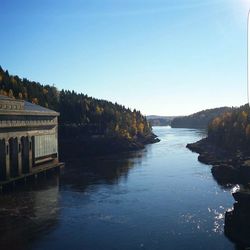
[(244, 114), (140, 127), (227, 116), (125, 133), (248, 130), (99, 110), (216, 122), (134, 125), (13, 80), (45, 91)]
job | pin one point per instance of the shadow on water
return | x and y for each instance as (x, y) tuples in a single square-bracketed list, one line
[(24, 214), (79, 174)]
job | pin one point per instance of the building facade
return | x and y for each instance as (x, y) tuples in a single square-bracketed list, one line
[(28, 138)]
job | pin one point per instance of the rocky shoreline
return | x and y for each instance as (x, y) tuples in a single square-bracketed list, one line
[(237, 220), (228, 167)]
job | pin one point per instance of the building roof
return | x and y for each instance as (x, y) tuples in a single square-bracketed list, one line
[(13, 106), (28, 106)]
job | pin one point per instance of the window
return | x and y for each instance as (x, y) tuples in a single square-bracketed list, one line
[(45, 145)]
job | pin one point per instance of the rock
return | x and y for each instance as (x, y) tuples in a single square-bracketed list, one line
[(237, 221), (242, 198), (148, 139), (207, 158), (224, 173), (228, 167)]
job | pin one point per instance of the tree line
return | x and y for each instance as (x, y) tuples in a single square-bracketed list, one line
[(78, 110), (232, 129)]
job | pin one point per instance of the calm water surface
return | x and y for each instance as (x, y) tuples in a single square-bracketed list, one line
[(159, 198)]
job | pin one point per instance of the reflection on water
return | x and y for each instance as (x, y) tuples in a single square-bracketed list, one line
[(81, 173), (25, 214), (158, 198), (33, 211)]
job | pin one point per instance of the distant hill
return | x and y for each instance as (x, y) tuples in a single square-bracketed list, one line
[(200, 119), (156, 120)]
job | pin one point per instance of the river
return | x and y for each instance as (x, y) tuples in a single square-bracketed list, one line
[(158, 198)]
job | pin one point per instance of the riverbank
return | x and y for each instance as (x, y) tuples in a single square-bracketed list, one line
[(227, 166)]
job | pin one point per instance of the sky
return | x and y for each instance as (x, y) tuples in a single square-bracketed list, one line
[(159, 56)]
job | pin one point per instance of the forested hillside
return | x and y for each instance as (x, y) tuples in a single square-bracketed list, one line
[(89, 115), (227, 146), (231, 130), (198, 120)]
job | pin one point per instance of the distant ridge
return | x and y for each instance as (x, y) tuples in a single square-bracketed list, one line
[(200, 119), (157, 120)]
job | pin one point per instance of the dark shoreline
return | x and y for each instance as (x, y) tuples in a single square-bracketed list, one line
[(228, 167)]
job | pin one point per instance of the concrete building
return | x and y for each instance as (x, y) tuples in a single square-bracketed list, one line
[(28, 139)]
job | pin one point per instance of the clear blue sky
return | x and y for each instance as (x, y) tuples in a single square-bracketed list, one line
[(161, 57)]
